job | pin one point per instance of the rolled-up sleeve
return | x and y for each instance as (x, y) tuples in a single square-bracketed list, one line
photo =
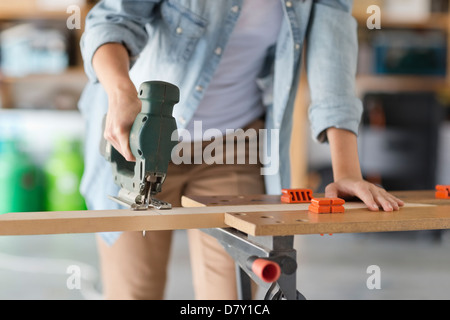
[(116, 21), (331, 60)]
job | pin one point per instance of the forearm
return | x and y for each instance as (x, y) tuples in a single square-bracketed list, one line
[(111, 65), (116, 22), (344, 154)]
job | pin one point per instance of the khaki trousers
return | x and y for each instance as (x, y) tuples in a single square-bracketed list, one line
[(135, 266)]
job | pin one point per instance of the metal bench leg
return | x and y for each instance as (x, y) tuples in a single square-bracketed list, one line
[(276, 248), (244, 284)]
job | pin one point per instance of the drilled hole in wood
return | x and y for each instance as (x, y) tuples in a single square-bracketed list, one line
[(301, 220), (239, 214), (267, 217)]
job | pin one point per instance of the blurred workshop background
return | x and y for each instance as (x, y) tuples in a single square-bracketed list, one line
[(403, 79)]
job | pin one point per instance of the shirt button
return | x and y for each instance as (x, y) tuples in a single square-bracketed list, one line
[(218, 51), (235, 9), (288, 4), (182, 120), (297, 46), (199, 88), (179, 30)]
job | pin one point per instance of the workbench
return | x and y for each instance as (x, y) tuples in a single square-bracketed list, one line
[(247, 226), (270, 233)]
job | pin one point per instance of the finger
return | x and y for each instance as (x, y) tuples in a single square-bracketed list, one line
[(397, 203), (385, 204), (125, 149), (400, 202), (120, 144), (394, 202), (108, 137), (367, 197), (387, 201), (128, 155), (331, 191)]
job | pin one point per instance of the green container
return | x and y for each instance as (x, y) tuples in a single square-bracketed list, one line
[(63, 172), (20, 180)]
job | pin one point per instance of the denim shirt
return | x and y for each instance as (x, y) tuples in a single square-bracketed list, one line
[(181, 41)]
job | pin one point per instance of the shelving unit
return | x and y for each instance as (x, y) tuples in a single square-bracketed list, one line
[(38, 11), (439, 21), (41, 80)]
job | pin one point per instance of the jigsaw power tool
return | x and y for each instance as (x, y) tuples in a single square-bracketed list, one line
[(151, 142)]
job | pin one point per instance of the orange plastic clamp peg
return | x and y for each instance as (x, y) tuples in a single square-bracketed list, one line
[(321, 201), (442, 192), (337, 209), (296, 195), (327, 205), (319, 209), (337, 201)]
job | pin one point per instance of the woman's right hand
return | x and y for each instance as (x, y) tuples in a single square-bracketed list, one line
[(111, 65), (123, 107)]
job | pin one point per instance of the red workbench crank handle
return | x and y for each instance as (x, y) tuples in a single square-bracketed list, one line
[(266, 270)]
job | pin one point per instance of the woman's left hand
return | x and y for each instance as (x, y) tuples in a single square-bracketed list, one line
[(373, 196)]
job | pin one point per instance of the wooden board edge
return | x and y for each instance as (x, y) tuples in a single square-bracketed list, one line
[(188, 202), (331, 228)]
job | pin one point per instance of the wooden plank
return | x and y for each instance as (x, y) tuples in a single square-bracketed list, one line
[(89, 221), (352, 221), (211, 201)]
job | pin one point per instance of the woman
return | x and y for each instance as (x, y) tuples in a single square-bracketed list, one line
[(237, 64)]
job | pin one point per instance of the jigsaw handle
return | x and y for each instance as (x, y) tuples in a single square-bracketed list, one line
[(151, 136), (158, 97)]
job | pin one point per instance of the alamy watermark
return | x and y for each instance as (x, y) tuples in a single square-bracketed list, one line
[(74, 19), (73, 281), (374, 280), (230, 148), (374, 20)]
